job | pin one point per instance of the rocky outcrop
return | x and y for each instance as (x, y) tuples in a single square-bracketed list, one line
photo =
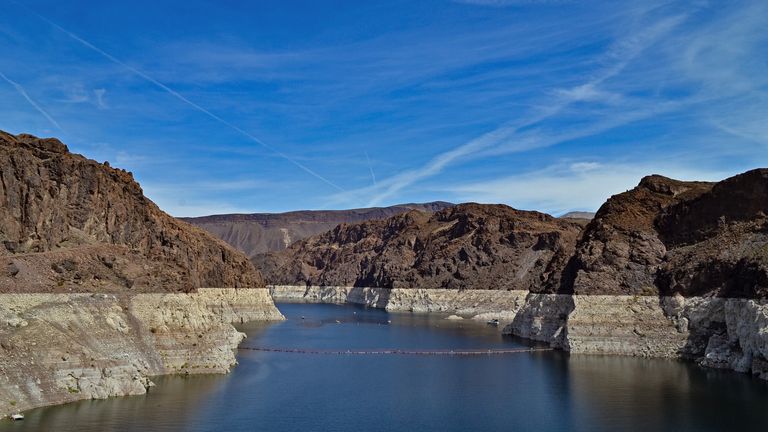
[(668, 269), (469, 246), (57, 348), (259, 233), (666, 237), (620, 251), (672, 269), (68, 223), (543, 318), (86, 266)]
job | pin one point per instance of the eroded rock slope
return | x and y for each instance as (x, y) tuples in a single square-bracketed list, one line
[(68, 223), (469, 246), (100, 290), (668, 237), (259, 233)]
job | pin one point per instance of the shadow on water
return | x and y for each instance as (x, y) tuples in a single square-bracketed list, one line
[(542, 391)]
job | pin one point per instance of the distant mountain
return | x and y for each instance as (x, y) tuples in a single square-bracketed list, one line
[(468, 246), (578, 215), (259, 233)]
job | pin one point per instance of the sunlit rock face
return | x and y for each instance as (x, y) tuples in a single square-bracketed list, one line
[(100, 290), (57, 348), (68, 223), (469, 246), (667, 269)]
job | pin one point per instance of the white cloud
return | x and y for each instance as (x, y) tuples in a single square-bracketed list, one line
[(516, 136), (569, 187), (100, 93)]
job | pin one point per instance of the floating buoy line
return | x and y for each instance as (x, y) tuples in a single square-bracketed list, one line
[(473, 352)]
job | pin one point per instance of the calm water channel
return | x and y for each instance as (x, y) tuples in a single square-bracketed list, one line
[(542, 391)]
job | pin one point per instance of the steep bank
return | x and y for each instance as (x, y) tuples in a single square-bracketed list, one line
[(675, 269), (475, 304), (668, 269), (99, 289), (58, 348)]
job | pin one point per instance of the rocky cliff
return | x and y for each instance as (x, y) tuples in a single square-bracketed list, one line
[(58, 348), (469, 246), (668, 269), (675, 269), (86, 264), (259, 233), (666, 237), (68, 223)]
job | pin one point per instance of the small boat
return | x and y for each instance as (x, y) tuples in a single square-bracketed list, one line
[(17, 417), (494, 322)]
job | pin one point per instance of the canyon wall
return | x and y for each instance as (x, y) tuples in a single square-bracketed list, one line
[(671, 268), (468, 246), (58, 348), (69, 224), (100, 290), (476, 304)]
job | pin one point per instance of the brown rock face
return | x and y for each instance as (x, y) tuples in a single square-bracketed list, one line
[(259, 233), (469, 246), (666, 237), (68, 223)]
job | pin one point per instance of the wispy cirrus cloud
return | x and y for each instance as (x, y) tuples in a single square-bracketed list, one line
[(710, 73), (564, 187), (183, 99), (392, 101), (515, 136)]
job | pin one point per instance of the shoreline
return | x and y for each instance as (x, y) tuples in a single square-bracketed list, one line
[(60, 348), (722, 333)]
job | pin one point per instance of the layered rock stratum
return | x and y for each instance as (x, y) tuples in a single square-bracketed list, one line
[(100, 290), (59, 348)]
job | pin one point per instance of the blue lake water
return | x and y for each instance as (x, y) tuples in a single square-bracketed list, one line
[(540, 391)]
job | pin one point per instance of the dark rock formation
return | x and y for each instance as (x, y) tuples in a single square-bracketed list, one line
[(667, 236), (469, 246), (68, 223), (259, 233)]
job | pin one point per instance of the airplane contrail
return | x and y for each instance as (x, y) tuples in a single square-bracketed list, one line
[(182, 98), (31, 101), (370, 167)]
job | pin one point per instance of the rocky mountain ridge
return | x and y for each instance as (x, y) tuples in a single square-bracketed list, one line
[(661, 238), (260, 233), (100, 290), (668, 237), (469, 246), (68, 223)]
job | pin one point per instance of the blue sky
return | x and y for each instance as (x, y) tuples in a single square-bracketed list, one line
[(225, 106)]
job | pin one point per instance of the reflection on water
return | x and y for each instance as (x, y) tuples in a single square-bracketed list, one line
[(540, 391)]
